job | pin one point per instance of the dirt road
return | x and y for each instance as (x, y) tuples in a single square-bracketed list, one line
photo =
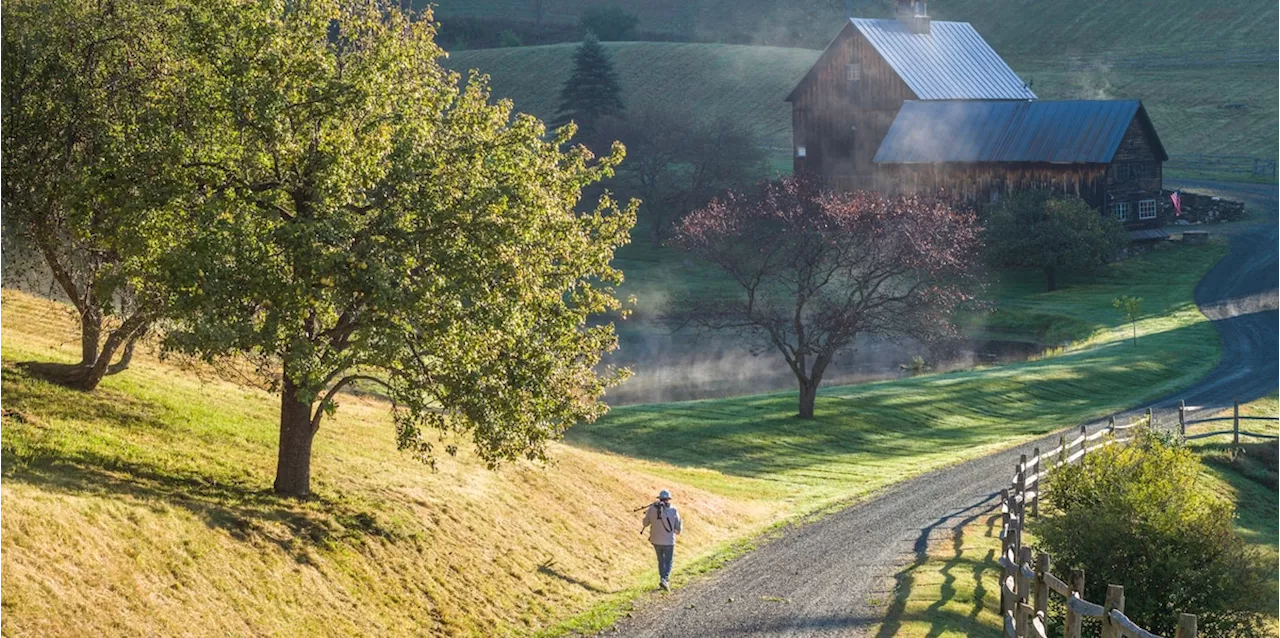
[(820, 579)]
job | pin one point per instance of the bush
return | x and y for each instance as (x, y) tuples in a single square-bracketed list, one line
[(610, 24), (509, 38), (1132, 515)]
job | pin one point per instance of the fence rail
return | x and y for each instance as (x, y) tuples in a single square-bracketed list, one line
[(1026, 586), (1198, 59)]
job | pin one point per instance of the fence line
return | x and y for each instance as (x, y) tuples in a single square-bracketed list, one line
[(1181, 61), (1027, 586)]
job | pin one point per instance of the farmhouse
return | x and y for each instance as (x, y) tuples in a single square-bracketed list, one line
[(916, 105)]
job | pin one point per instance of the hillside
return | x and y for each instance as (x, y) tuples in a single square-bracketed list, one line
[(1068, 27), (143, 509), (1196, 110)]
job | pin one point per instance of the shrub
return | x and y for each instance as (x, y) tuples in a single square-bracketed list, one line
[(1132, 515), (610, 24), (509, 38)]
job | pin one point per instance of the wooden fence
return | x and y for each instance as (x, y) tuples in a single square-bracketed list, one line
[(1235, 418), (1026, 585)]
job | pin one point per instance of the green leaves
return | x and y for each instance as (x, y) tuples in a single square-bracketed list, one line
[(1034, 229), (367, 217)]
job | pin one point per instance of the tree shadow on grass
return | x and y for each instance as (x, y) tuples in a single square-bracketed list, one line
[(758, 436), (548, 568), (34, 454), (940, 619)]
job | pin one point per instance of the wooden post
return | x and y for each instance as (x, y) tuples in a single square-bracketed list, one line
[(1072, 629), (1114, 600), (1111, 424), (1035, 502), (1084, 443), (1186, 626), (1024, 585), (1182, 417), (1042, 585), (1151, 419), (1022, 622), (1235, 423), (1062, 449)]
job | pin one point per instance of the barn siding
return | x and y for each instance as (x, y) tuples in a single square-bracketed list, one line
[(982, 183), (842, 123)]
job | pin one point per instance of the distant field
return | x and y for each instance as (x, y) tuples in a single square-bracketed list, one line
[(1014, 28), (748, 84)]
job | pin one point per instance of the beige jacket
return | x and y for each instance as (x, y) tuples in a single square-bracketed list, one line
[(663, 524)]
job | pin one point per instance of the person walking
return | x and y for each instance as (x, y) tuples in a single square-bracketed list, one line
[(663, 522)]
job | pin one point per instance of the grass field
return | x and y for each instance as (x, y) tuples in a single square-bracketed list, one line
[(952, 588), (1066, 27), (748, 84), (141, 509)]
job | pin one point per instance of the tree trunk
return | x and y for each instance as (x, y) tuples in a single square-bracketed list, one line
[(90, 336), (1051, 278), (808, 396), (293, 464)]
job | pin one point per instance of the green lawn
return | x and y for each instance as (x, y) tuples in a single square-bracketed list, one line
[(867, 436)]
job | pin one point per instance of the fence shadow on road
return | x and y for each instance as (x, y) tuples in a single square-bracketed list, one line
[(952, 609)]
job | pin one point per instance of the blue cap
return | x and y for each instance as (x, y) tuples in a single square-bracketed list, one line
[(664, 494)]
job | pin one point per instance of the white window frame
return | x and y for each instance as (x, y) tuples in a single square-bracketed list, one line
[(853, 72), (1147, 209), (801, 151), (1121, 211)]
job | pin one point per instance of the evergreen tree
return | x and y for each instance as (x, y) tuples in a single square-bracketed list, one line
[(592, 92)]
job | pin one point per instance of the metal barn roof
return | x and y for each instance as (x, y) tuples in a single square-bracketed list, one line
[(1069, 131), (951, 62)]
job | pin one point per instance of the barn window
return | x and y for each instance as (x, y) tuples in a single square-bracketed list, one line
[(800, 151), (1147, 209), (853, 72), (1121, 211)]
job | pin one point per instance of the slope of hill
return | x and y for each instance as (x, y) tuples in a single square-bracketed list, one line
[(1015, 28), (745, 83), (1198, 110)]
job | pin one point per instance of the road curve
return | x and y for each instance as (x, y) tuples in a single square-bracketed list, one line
[(834, 577)]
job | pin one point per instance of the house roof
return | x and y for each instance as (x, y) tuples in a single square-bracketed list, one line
[(1069, 131), (951, 62)]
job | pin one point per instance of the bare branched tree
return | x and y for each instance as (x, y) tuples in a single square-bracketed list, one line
[(815, 269)]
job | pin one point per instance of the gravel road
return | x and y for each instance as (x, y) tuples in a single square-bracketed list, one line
[(833, 577)]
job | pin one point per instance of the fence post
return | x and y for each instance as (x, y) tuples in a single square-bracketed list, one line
[(1043, 563), (1024, 559), (1235, 422), (1084, 441), (1022, 622), (1182, 417), (1114, 600), (1035, 502), (1062, 450), (1186, 626), (1006, 544), (1076, 584), (1151, 418)]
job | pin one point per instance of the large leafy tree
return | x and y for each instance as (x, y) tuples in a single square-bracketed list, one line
[(93, 144), (592, 93), (375, 224), (815, 269), (1037, 230)]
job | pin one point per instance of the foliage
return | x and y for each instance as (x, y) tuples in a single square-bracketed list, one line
[(1037, 230), (509, 38), (1133, 515), (592, 92), (93, 142), (376, 224), (816, 268), (1131, 309), (608, 23), (676, 163)]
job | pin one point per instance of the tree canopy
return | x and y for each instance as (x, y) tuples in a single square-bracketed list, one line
[(1037, 230), (368, 221), (94, 136), (592, 92), (815, 269)]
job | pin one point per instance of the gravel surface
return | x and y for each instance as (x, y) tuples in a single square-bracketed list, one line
[(834, 577)]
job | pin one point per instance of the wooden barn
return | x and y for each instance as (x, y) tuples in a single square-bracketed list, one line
[(916, 105)]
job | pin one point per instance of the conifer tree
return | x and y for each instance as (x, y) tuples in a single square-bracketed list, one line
[(592, 92)]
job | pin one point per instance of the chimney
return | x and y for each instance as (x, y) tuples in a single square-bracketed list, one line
[(914, 15)]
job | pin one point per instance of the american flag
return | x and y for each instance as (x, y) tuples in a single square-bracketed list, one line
[(1176, 198)]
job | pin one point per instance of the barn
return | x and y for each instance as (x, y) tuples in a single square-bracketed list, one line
[(916, 105)]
